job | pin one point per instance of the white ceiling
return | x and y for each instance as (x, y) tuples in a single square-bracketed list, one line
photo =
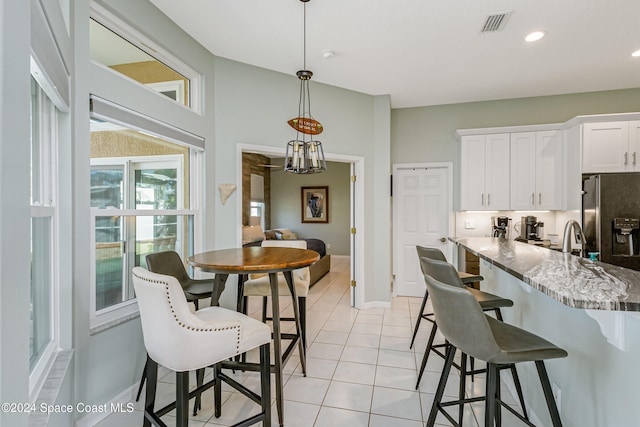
[(428, 52)]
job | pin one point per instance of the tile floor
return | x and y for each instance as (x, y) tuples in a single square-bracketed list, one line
[(360, 370)]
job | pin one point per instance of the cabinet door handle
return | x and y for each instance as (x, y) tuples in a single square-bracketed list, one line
[(539, 199), (533, 199), (634, 158), (488, 199), (482, 199), (626, 154)]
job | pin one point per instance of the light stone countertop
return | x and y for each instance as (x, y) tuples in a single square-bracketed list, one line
[(574, 281)]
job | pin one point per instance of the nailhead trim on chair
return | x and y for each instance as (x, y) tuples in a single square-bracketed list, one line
[(166, 285)]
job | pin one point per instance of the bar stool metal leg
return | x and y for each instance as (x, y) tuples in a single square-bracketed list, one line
[(421, 315), (277, 346), (441, 385), (548, 394)]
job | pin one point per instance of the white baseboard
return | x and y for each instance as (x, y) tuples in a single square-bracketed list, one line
[(376, 304), (91, 419)]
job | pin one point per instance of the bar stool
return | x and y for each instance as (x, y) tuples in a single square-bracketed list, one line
[(466, 327), (170, 263), (445, 272), (436, 254), (183, 341), (258, 285)]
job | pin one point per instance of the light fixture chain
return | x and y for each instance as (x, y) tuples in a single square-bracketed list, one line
[(304, 36)]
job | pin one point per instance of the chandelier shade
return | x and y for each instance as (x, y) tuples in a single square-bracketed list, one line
[(304, 155)]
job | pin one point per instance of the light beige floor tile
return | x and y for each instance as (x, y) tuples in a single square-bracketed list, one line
[(355, 373), (383, 421), (400, 378), (325, 351), (360, 355), (363, 340), (396, 403), (352, 396), (398, 359), (332, 337), (306, 390), (333, 417)]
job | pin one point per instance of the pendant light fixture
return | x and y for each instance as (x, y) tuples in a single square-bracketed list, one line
[(304, 155)]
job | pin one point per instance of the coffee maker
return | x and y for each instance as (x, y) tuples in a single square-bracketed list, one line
[(530, 229), (501, 227)]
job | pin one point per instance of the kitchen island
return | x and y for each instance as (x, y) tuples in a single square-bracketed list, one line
[(588, 308)]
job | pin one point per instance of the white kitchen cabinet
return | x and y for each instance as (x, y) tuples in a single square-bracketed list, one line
[(484, 172), (536, 170), (611, 147)]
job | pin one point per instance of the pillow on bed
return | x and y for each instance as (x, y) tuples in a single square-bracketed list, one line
[(252, 234), (285, 234), (270, 235)]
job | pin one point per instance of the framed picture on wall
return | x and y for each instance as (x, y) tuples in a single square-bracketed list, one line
[(315, 204)]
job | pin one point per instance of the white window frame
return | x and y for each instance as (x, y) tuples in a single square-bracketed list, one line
[(121, 312), (46, 207), (135, 37)]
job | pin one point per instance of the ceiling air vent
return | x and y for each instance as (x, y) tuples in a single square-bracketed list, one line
[(495, 22)]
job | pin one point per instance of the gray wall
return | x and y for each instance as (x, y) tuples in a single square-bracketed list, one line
[(427, 134), (286, 210), (355, 124), (14, 208)]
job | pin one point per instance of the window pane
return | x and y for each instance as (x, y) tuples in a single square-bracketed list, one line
[(109, 262), (139, 236), (113, 51), (107, 187), (40, 309), (36, 114)]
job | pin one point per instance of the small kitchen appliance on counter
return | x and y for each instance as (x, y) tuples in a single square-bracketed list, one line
[(530, 229), (501, 227)]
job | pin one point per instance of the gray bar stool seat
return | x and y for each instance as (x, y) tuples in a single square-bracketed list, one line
[(466, 278), (466, 327), (445, 272)]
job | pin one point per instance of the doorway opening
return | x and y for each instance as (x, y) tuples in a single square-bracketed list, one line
[(341, 235)]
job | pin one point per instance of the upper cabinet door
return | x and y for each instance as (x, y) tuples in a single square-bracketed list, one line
[(634, 145), (549, 161), (472, 171), (606, 147), (523, 171), (497, 172)]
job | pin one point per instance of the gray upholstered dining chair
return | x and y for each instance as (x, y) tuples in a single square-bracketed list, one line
[(184, 340), (466, 327)]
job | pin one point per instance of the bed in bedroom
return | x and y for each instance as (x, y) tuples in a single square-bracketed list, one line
[(254, 235)]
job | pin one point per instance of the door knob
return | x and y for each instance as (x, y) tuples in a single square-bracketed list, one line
[(443, 239)]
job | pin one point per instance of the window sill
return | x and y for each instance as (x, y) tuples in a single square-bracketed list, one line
[(51, 387), (96, 329)]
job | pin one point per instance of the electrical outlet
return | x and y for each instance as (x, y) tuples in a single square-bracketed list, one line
[(469, 224), (328, 245), (557, 395)]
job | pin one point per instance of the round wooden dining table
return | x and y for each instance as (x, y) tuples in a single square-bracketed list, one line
[(253, 260)]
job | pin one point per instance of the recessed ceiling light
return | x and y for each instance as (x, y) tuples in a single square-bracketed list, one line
[(636, 54), (535, 36)]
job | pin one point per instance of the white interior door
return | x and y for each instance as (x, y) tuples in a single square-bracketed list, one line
[(422, 200)]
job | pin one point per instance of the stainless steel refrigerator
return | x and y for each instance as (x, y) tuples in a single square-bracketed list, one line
[(611, 217)]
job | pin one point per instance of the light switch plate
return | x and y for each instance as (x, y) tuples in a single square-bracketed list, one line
[(469, 224)]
